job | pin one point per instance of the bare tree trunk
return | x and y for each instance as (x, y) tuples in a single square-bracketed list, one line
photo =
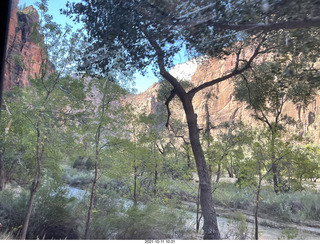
[(135, 184), (25, 225), (92, 196), (188, 159), (256, 213), (3, 173), (3, 178), (274, 165), (199, 216), (218, 173), (155, 179), (210, 225), (36, 180)]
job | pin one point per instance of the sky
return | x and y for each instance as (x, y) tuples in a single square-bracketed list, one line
[(142, 82)]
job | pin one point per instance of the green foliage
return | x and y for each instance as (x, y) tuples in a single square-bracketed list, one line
[(13, 206), (240, 227), (294, 206), (289, 234), (226, 149), (83, 163), (150, 222), (18, 60), (79, 178), (52, 218)]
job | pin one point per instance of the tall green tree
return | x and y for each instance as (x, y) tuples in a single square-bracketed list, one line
[(51, 93), (267, 87), (101, 130), (142, 33)]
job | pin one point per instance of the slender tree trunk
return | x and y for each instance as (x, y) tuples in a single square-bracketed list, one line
[(256, 213), (3, 173), (274, 165), (210, 225), (188, 159), (135, 184), (92, 196), (230, 173), (155, 170), (3, 178), (25, 225), (36, 181), (207, 131), (210, 172), (155, 179), (275, 178), (218, 173)]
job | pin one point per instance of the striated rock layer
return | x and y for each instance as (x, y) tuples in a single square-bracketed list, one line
[(220, 102), (24, 59), (24, 55)]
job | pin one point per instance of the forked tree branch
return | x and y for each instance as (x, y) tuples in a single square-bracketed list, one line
[(235, 72)]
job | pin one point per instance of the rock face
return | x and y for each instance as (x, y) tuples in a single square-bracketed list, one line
[(219, 99), (24, 58), (24, 55)]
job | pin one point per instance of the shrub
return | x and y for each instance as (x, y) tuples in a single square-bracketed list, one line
[(228, 195), (13, 207), (83, 163), (75, 177), (239, 227), (53, 216), (125, 220), (289, 234)]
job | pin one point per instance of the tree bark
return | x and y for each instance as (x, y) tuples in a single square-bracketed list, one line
[(135, 183), (93, 193), (25, 226), (274, 165), (199, 216), (218, 173), (210, 226), (256, 213), (155, 179), (3, 179), (36, 180)]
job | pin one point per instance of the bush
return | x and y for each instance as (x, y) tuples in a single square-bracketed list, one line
[(141, 222), (75, 177), (83, 163), (239, 227), (13, 207), (289, 234), (226, 194), (292, 206), (53, 216)]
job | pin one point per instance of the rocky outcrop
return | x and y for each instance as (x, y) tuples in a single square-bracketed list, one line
[(223, 107), (219, 99), (24, 54)]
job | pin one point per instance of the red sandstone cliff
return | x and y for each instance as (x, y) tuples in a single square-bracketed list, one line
[(24, 59), (24, 56), (221, 104)]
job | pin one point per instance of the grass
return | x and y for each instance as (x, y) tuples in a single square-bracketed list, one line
[(292, 206)]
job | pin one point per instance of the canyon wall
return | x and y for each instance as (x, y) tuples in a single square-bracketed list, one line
[(220, 101), (24, 54)]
